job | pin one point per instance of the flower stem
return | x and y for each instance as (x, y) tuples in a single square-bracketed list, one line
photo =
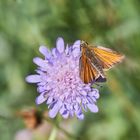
[(53, 134), (61, 129)]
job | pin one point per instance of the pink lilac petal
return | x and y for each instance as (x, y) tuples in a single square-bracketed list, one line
[(80, 115), (54, 52), (62, 109), (65, 115), (92, 107), (60, 45), (67, 49), (38, 61), (71, 113), (33, 78), (40, 89), (93, 99), (84, 107), (49, 100), (95, 93), (78, 99), (90, 100), (45, 51), (76, 52), (53, 112), (83, 92), (40, 99), (76, 107), (76, 44)]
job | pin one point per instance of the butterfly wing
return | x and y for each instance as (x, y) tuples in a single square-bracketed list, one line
[(107, 57), (88, 73)]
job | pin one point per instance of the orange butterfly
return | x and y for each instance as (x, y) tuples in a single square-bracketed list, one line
[(94, 60)]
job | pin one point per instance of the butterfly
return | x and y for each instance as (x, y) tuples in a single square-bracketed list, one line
[(95, 60)]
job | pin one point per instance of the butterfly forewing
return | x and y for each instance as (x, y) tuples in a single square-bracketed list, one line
[(107, 57), (88, 73)]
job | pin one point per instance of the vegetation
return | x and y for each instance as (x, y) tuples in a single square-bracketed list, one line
[(24, 25)]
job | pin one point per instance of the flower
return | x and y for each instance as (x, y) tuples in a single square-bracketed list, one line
[(59, 84)]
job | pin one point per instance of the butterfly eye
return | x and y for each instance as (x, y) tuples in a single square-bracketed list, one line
[(83, 44)]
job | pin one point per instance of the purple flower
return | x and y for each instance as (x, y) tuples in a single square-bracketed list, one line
[(59, 84)]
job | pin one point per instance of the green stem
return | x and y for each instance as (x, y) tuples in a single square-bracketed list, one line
[(53, 134), (61, 129)]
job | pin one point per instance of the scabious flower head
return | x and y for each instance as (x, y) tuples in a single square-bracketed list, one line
[(59, 84)]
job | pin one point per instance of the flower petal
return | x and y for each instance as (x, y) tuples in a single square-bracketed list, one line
[(49, 100), (76, 48), (53, 112), (38, 61), (60, 45), (33, 78), (76, 107), (40, 89), (45, 52), (92, 107), (79, 114), (62, 110), (54, 52), (76, 44), (95, 93), (78, 99), (71, 113), (76, 52), (67, 49), (84, 107), (41, 98), (83, 92), (65, 115)]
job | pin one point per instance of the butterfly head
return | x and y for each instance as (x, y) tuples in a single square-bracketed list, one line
[(83, 44)]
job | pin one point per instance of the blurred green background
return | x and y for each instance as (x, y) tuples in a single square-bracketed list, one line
[(26, 24)]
